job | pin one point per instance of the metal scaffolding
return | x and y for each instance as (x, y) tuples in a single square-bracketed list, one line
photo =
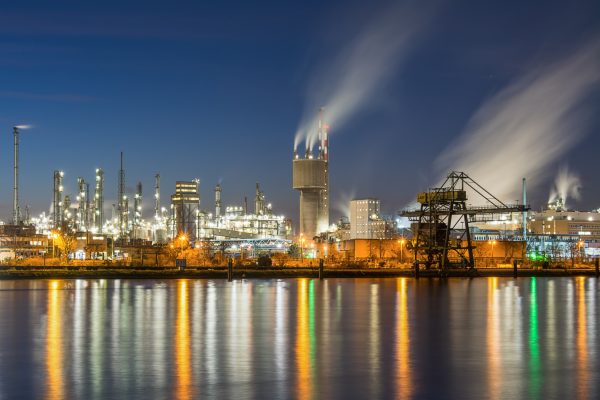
[(442, 238)]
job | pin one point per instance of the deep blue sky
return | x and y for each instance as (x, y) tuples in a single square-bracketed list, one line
[(217, 90)]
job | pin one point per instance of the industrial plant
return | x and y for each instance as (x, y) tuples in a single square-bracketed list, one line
[(129, 226), (458, 224)]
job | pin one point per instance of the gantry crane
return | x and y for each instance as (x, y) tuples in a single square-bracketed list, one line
[(441, 235)]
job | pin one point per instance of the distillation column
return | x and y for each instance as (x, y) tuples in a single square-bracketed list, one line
[(217, 201), (137, 211), (82, 205), (157, 213), (99, 200), (57, 204)]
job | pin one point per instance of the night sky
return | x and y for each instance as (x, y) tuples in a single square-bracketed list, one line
[(217, 91)]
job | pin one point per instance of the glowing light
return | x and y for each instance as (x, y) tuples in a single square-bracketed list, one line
[(492, 336), (54, 344), (303, 365), (534, 346), (403, 366), (182, 343), (582, 350)]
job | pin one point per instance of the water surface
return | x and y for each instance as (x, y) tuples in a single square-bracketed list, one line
[(492, 338)]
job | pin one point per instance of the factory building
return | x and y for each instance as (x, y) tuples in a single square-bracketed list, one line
[(365, 220), (185, 208), (310, 176), (238, 223), (556, 220)]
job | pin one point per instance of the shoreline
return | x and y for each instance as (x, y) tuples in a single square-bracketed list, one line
[(273, 273)]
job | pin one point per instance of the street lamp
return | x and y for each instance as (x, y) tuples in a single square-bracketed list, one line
[(182, 239), (402, 241), (54, 236)]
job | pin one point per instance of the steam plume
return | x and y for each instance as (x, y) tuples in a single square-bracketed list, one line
[(566, 185), (531, 123), (355, 73)]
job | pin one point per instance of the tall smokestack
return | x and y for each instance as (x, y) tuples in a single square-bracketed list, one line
[(16, 177), (121, 201), (524, 211), (323, 224)]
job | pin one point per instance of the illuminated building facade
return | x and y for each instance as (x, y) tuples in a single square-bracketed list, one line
[(185, 205)]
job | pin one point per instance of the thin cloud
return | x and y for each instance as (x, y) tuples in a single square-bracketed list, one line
[(345, 82), (69, 98), (528, 126)]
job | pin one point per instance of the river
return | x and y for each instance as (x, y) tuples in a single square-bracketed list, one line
[(493, 338)]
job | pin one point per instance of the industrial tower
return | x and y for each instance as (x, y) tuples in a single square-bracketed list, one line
[(16, 209), (99, 201), (137, 211), (57, 202), (122, 202), (311, 178)]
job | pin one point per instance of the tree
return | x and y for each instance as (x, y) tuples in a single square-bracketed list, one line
[(66, 244)]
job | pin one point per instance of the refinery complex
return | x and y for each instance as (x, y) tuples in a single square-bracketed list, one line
[(444, 230)]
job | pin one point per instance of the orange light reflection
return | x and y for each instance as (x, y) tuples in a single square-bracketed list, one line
[(303, 343), (493, 341), (582, 351), (403, 367), (54, 344), (182, 343)]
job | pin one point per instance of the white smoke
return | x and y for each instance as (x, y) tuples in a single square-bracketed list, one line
[(351, 77), (342, 205), (566, 185), (525, 127)]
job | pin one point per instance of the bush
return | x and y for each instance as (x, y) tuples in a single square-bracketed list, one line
[(264, 261)]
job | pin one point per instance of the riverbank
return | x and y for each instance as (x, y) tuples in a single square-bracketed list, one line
[(269, 273)]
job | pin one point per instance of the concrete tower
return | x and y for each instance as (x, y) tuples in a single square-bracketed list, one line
[(311, 178)]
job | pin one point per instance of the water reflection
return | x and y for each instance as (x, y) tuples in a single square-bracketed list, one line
[(374, 343), (493, 340), (182, 343), (582, 350), (92, 339), (54, 354), (303, 343), (534, 347), (403, 367)]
